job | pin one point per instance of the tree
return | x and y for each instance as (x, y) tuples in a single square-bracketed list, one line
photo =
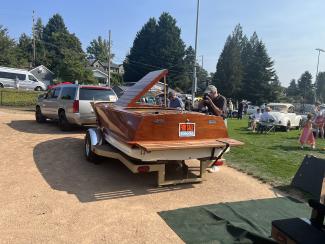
[(64, 52), (8, 49), (276, 90), (41, 52), (320, 86), (98, 49), (54, 25), (157, 45), (292, 89), (229, 71), (202, 75), (306, 88), (25, 51), (258, 72), (140, 59), (170, 49)]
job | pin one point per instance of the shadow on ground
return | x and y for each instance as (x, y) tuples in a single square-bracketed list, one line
[(50, 127), (63, 165)]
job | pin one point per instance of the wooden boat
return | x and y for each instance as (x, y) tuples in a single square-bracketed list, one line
[(152, 133)]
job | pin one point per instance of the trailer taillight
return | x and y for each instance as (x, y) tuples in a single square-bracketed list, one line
[(75, 107), (143, 169)]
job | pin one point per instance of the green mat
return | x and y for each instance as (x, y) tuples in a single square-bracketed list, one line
[(237, 222)]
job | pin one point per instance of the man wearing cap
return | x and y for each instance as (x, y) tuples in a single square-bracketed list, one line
[(174, 101), (216, 103)]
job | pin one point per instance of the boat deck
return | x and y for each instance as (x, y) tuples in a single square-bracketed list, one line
[(188, 144)]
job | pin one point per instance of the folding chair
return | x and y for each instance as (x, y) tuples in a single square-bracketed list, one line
[(266, 126)]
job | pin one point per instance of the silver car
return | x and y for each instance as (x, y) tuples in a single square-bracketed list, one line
[(70, 104)]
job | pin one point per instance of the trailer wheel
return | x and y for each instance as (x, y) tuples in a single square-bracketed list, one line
[(90, 155)]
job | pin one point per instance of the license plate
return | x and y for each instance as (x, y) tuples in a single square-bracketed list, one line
[(186, 129)]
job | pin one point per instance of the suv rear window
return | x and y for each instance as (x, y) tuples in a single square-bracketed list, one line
[(96, 94), (68, 93)]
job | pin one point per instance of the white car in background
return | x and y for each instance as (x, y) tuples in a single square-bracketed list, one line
[(285, 116), (20, 79), (252, 109)]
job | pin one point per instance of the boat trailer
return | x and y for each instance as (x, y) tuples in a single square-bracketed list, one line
[(96, 146)]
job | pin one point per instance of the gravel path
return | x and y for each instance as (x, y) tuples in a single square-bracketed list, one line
[(51, 194)]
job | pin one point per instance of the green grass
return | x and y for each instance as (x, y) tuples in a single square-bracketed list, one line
[(13, 97), (273, 157)]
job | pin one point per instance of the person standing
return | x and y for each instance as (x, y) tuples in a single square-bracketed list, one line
[(307, 136), (240, 110), (217, 105), (215, 102), (230, 108)]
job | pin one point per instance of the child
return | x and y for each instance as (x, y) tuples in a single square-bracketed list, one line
[(307, 136)]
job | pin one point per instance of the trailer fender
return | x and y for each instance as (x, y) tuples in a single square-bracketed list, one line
[(96, 137)]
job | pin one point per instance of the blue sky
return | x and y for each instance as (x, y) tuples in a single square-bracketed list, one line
[(291, 29)]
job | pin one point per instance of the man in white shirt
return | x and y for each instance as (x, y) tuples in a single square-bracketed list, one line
[(266, 116), (266, 119)]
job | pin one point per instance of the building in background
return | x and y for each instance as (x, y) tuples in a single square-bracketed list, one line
[(100, 69), (43, 74)]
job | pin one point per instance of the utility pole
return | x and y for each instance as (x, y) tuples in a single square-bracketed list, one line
[(319, 50), (194, 85), (109, 59), (201, 61), (34, 51)]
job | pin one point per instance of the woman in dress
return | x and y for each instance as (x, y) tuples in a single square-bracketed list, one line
[(307, 136)]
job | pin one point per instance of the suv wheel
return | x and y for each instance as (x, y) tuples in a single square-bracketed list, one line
[(63, 122), (38, 88), (40, 118), (1, 86)]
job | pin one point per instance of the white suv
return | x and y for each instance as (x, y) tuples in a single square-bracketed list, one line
[(70, 104)]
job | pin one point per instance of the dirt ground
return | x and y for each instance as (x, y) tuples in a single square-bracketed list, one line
[(51, 194)]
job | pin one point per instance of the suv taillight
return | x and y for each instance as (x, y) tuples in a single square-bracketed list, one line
[(75, 107)]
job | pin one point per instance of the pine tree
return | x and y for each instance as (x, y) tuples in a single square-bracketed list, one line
[(139, 61), (276, 90), (170, 48), (157, 46), (202, 75), (98, 49), (306, 88), (8, 49), (229, 71), (258, 73), (292, 90), (64, 52), (41, 52), (25, 51)]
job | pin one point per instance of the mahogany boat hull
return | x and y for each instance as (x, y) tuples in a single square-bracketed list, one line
[(152, 134), (154, 124)]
